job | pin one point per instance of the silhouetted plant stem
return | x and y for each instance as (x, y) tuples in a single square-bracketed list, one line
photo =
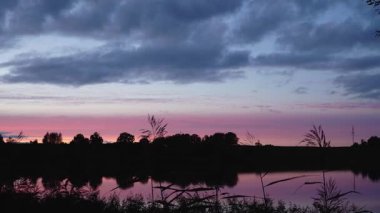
[(263, 187), (151, 185)]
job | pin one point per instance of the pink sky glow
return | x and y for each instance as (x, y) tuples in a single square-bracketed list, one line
[(277, 129)]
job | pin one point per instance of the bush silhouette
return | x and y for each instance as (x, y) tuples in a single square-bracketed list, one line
[(79, 139), (219, 138), (125, 137), (52, 138), (181, 140), (144, 140), (96, 139), (231, 138)]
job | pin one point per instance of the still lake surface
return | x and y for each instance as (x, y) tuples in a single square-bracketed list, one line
[(293, 191), (249, 184)]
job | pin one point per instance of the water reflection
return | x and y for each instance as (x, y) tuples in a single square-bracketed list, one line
[(214, 186)]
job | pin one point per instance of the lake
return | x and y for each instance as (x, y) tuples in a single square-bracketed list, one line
[(249, 184)]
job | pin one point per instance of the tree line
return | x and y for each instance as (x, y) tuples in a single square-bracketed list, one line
[(156, 134), (228, 138)]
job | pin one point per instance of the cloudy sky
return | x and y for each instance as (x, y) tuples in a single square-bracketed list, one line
[(273, 68)]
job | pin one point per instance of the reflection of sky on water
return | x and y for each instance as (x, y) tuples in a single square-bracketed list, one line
[(249, 184)]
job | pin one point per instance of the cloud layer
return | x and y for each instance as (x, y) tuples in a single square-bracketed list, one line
[(195, 41)]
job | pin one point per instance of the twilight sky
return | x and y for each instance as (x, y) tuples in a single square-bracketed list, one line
[(273, 68)]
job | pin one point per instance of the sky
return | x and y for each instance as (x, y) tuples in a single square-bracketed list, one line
[(271, 68)]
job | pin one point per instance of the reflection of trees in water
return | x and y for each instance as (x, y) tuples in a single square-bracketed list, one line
[(127, 181), (51, 182), (78, 181), (124, 182), (211, 179), (373, 175), (95, 181), (195, 195)]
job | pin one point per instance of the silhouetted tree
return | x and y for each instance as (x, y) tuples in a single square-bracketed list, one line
[(52, 138), (182, 139), (219, 138), (316, 137), (178, 139), (144, 140), (51, 182), (124, 182), (125, 137), (95, 181), (15, 139), (231, 138), (96, 139), (159, 140), (157, 128), (373, 142), (206, 139), (45, 139), (79, 139), (195, 139), (78, 181), (1, 139)]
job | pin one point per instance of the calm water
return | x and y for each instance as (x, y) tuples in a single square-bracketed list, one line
[(248, 184), (294, 191)]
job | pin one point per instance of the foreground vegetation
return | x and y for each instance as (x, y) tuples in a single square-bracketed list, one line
[(31, 201)]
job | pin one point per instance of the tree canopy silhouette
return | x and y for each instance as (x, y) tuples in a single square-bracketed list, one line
[(79, 139), (219, 138), (179, 140), (1, 139), (144, 140), (96, 139), (372, 142), (52, 138), (125, 137)]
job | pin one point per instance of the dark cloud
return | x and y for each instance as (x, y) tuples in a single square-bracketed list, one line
[(180, 41), (111, 17), (178, 63), (329, 37), (189, 41), (318, 62), (261, 18), (361, 85)]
